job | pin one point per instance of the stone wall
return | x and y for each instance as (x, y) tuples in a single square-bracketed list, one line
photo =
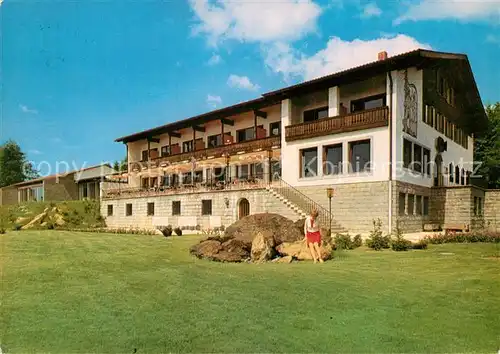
[(260, 201), (354, 205), (8, 196), (61, 188), (492, 209), (455, 205), (410, 218)]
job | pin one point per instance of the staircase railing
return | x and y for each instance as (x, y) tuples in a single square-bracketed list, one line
[(302, 201)]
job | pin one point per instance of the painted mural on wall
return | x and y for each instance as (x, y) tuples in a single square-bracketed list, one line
[(410, 107)]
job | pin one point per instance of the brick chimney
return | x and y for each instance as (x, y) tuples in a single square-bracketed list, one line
[(382, 55)]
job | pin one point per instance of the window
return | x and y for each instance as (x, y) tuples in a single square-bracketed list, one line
[(462, 177), (144, 155), (480, 206), (128, 209), (406, 153), (151, 209), (332, 159), (457, 174), (276, 169), (176, 207), (144, 182), (309, 162), (214, 140), (360, 155), (246, 134), (187, 146), (402, 201), (187, 178), (425, 208), (165, 150), (450, 169), (417, 158), (368, 103), (110, 209), (418, 205), (411, 206), (257, 170), (206, 207), (427, 161), (198, 176), (315, 114), (275, 128), (243, 171)]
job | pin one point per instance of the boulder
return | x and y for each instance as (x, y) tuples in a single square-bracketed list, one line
[(300, 225), (58, 220), (285, 259), (237, 247), (281, 228), (300, 250), (262, 247), (35, 220), (206, 249), (21, 220)]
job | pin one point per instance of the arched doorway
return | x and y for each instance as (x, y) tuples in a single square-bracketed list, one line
[(243, 208)]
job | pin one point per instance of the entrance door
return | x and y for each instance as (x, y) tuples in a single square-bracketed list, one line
[(243, 208)]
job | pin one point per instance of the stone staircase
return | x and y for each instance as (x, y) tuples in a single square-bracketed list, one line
[(301, 204)]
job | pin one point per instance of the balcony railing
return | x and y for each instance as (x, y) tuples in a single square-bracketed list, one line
[(216, 183), (371, 118), (218, 151)]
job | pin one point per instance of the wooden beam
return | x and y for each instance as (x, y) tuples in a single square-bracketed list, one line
[(174, 134), (260, 114), (153, 140), (227, 121), (198, 128)]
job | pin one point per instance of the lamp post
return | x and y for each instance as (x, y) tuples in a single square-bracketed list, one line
[(329, 193)]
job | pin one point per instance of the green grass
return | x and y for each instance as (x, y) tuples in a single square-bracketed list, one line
[(68, 292)]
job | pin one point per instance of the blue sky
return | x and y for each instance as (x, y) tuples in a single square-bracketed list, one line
[(77, 75)]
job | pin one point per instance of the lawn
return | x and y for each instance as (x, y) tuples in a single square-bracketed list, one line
[(68, 292)]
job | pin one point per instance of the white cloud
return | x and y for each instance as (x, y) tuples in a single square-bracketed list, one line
[(255, 21), (214, 59), (25, 109), (337, 56), (371, 10), (241, 82), (464, 10), (35, 152), (214, 101)]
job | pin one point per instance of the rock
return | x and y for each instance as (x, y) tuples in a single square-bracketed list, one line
[(225, 256), (21, 220), (206, 249), (281, 228), (237, 247), (300, 250), (286, 259), (58, 219), (262, 247), (43, 224), (300, 225), (37, 219)]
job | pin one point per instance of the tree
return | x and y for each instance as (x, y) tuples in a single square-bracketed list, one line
[(121, 166), (14, 167), (487, 147)]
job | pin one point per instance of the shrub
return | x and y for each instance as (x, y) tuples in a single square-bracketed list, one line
[(377, 240), (420, 245), (357, 241), (399, 243), (178, 231), (465, 237), (343, 241), (198, 227), (166, 231), (2, 230)]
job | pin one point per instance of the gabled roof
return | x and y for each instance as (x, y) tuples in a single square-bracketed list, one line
[(418, 57), (56, 175)]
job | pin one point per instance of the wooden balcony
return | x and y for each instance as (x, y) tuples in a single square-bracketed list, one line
[(214, 152), (371, 118)]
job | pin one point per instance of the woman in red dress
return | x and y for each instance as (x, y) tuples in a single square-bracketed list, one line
[(312, 235)]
